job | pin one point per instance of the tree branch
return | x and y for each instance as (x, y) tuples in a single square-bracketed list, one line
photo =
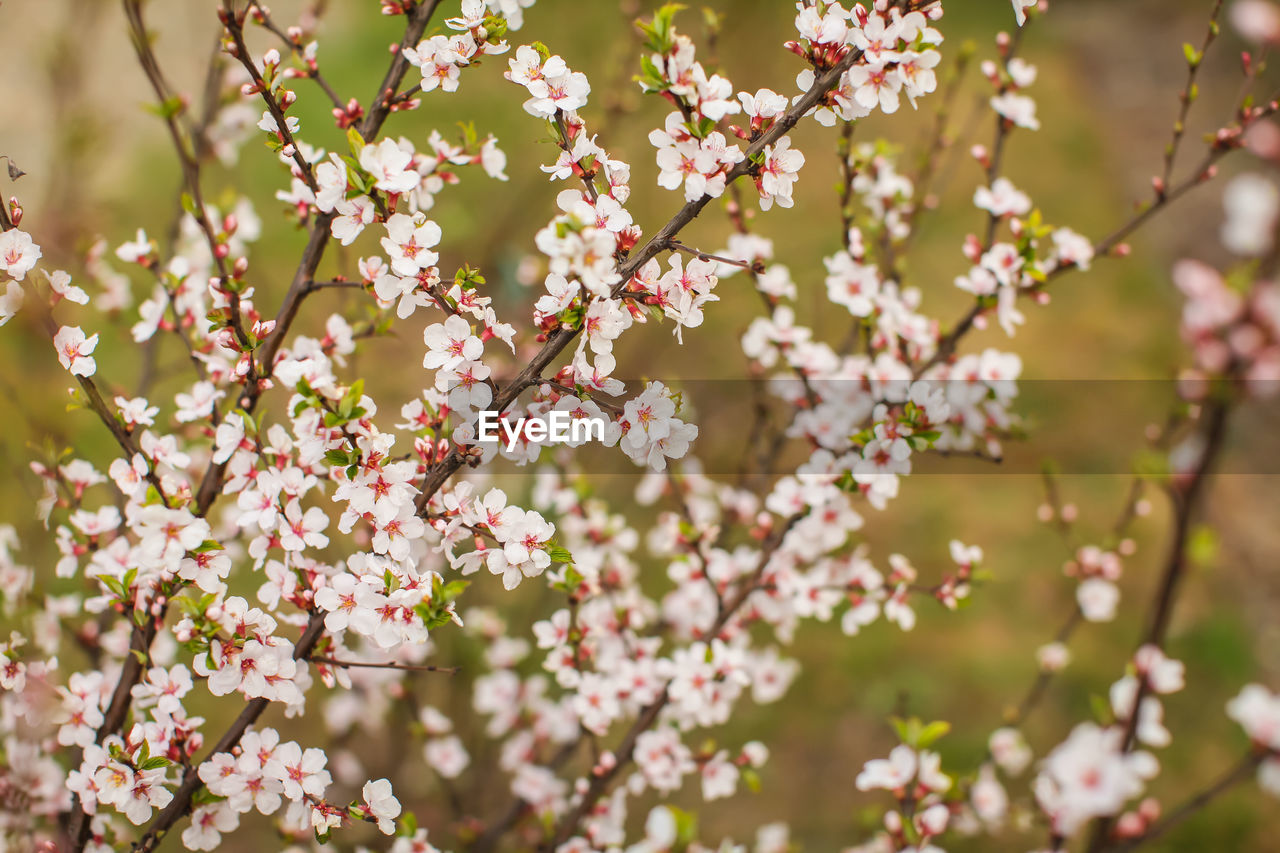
[(181, 803)]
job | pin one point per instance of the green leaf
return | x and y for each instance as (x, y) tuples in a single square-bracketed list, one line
[(1101, 709), (660, 32), (574, 577), (702, 128), (686, 826), (450, 591), (651, 79), (931, 733), (1202, 545), (355, 141), (558, 554), (495, 28), (337, 457), (168, 108)]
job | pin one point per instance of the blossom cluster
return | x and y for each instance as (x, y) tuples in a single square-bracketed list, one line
[(311, 554)]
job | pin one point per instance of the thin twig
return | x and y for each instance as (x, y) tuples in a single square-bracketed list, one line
[(407, 667), (1240, 772)]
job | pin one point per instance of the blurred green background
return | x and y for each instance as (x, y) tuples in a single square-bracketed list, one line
[(98, 164)]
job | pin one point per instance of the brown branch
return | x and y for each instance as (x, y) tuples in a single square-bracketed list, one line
[(170, 107), (211, 483), (625, 752), (1036, 691), (181, 803), (113, 719), (235, 28), (1227, 140), (263, 17), (517, 808), (1240, 772), (1187, 500), (676, 245), (94, 397), (304, 275), (1186, 99), (562, 134), (1003, 126), (950, 342), (335, 284), (407, 667), (844, 190), (938, 142)]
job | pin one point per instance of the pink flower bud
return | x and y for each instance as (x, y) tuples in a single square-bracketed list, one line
[(1130, 825)]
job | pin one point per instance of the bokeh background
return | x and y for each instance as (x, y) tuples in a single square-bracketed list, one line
[(98, 164)]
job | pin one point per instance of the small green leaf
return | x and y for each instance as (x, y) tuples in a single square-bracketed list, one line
[(355, 141), (931, 733), (1202, 545), (558, 554), (1101, 709)]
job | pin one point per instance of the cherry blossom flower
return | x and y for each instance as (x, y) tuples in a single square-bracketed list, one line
[(381, 804), (408, 243), (552, 86), (1089, 776), (303, 529), (439, 58), (301, 772), (1002, 198), (876, 86), (450, 343), (1097, 599), (1018, 109), (1009, 750), (1256, 20), (10, 301), (903, 766), (1252, 204), (18, 253), (1257, 710), (782, 164), (391, 167), (60, 284), (446, 756), (653, 433), (74, 350), (208, 824)]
